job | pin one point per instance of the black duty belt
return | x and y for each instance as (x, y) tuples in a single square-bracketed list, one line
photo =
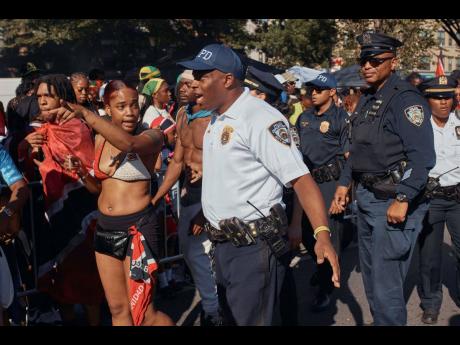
[(449, 193), (328, 172), (383, 186), (217, 235)]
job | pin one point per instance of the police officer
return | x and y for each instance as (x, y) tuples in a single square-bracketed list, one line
[(391, 153), (248, 156), (444, 191), (323, 131), (266, 86)]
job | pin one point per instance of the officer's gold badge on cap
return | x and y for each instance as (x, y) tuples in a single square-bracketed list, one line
[(324, 126), (226, 135), (415, 114), (443, 80)]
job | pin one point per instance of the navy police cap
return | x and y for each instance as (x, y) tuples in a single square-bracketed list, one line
[(263, 81), (374, 43), (324, 80), (216, 56), (441, 86)]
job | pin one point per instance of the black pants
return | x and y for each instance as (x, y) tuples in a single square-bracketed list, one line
[(440, 213), (336, 224)]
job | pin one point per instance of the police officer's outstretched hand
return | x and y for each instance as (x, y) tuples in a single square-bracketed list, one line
[(340, 200), (325, 250), (397, 211)]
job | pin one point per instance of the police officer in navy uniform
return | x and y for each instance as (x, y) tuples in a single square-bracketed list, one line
[(443, 189), (391, 153), (323, 132), (248, 156)]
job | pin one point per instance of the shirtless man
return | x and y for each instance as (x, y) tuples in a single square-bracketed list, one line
[(191, 125)]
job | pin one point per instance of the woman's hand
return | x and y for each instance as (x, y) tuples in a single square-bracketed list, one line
[(65, 112), (35, 139)]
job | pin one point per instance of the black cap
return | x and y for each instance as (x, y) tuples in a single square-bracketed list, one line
[(373, 43), (263, 81), (28, 69), (442, 86)]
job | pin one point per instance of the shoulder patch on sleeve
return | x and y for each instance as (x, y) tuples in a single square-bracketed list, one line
[(415, 114), (280, 132)]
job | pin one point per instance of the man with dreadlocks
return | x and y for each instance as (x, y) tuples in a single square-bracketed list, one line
[(67, 267)]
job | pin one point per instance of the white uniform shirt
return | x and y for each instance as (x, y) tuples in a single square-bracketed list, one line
[(152, 113), (447, 147), (243, 160)]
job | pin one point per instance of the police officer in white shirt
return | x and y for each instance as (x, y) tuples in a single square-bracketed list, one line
[(444, 191), (248, 155)]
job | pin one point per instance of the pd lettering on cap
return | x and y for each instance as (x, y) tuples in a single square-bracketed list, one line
[(322, 78), (205, 54)]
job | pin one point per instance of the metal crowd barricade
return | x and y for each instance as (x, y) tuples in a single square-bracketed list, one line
[(31, 236), (180, 256)]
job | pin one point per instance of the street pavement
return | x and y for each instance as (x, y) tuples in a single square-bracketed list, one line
[(349, 305)]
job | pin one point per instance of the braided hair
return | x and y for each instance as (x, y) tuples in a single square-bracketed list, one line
[(61, 84)]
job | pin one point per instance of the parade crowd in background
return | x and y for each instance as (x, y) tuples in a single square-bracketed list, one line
[(236, 171)]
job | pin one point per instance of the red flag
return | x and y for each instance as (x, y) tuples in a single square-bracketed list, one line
[(440, 66)]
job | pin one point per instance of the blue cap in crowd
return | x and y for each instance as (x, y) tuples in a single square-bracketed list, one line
[(439, 87), (216, 56), (374, 43), (324, 80), (263, 81)]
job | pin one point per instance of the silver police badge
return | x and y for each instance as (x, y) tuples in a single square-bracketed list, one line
[(415, 114), (280, 132), (367, 38)]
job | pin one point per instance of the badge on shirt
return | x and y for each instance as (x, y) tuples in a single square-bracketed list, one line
[(457, 131), (280, 132), (304, 123), (324, 126), (415, 114), (226, 135)]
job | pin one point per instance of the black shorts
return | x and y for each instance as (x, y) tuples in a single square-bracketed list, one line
[(112, 233)]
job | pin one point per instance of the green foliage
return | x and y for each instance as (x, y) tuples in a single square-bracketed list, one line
[(288, 42), (418, 36)]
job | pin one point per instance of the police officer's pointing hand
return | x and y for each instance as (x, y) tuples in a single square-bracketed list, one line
[(325, 250)]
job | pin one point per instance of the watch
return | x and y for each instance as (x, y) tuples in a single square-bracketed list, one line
[(401, 197), (7, 211)]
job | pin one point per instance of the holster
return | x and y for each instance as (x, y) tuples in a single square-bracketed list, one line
[(383, 186), (329, 172)]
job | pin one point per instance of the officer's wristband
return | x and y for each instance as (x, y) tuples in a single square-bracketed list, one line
[(319, 229)]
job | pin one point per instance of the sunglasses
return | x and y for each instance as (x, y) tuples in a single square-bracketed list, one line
[(318, 89), (373, 61)]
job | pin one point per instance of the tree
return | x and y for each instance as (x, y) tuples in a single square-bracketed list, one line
[(123, 43), (287, 42), (416, 34), (452, 27)]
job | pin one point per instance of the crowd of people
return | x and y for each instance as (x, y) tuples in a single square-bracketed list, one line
[(264, 168)]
